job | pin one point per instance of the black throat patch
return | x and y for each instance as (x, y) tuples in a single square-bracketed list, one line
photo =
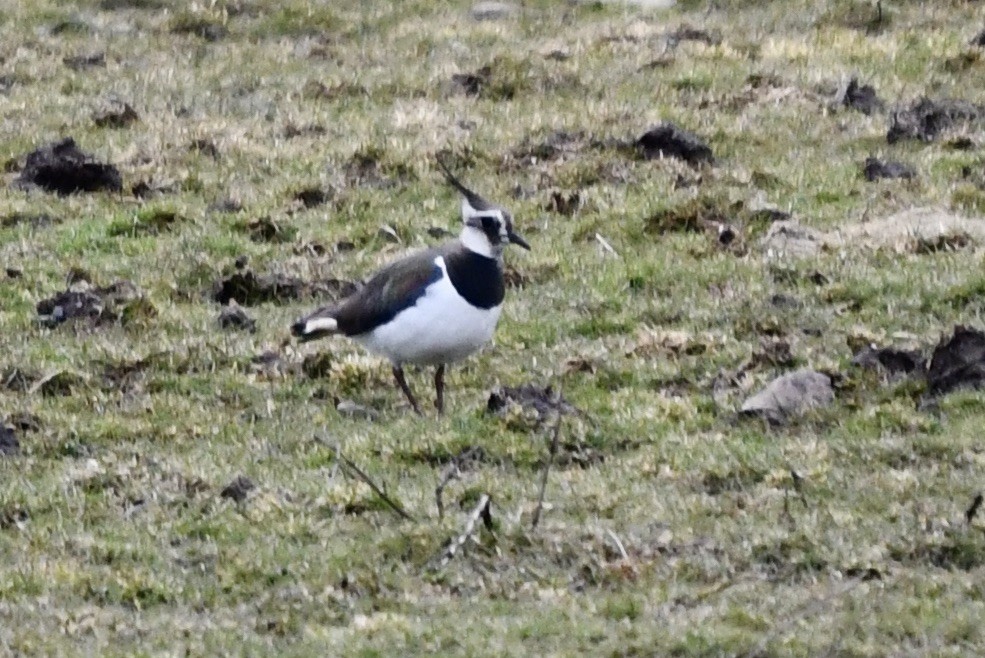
[(476, 278)]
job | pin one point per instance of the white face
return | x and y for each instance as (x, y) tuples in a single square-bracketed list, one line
[(488, 229)]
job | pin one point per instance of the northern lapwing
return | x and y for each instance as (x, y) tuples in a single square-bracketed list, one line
[(432, 307)]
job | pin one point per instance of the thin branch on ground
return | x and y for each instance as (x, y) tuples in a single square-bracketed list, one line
[(452, 472), (547, 466), (481, 510), (618, 542), (350, 466)]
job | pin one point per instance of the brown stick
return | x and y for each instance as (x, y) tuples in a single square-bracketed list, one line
[(452, 472), (547, 466), (481, 510), (358, 472)]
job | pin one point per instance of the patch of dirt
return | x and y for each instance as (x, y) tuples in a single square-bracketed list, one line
[(23, 422), (859, 97), (890, 360), (652, 341), (790, 395), (239, 489), (564, 204), (264, 229), (63, 168), (695, 215), (199, 26), (17, 379), (226, 206), (317, 365), (234, 317), (366, 168), (249, 288), (315, 90), (61, 382), (666, 140), (312, 197), (35, 220), (118, 115), (97, 305), (958, 362), (742, 478), (926, 119), (557, 145), (689, 33), (875, 169), (542, 401), (292, 130), (128, 374), (912, 230), (205, 147), (916, 230), (153, 221), (83, 62), (958, 549), (471, 84), (146, 189)]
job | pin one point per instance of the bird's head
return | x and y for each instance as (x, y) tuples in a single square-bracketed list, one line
[(488, 228)]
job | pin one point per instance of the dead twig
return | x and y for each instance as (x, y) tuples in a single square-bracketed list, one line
[(547, 466), (350, 466), (976, 504), (452, 472), (481, 510)]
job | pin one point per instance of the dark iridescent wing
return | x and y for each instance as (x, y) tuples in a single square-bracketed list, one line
[(396, 287)]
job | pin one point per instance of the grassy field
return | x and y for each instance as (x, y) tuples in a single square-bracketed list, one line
[(303, 137)]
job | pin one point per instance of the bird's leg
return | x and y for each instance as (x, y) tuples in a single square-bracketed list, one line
[(398, 373), (439, 389)]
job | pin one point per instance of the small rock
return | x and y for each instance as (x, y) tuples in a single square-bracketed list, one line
[(9, 445), (492, 11), (874, 169), (354, 410), (119, 115), (668, 141), (790, 395), (238, 489)]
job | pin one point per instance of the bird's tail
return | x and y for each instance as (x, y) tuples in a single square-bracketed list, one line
[(315, 325)]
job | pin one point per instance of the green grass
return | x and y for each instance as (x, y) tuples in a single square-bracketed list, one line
[(670, 528)]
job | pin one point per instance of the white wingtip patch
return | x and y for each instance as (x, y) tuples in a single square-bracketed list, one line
[(320, 324)]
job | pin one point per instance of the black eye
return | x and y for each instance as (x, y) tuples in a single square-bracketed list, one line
[(488, 223)]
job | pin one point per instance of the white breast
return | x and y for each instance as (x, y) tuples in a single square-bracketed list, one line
[(440, 328)]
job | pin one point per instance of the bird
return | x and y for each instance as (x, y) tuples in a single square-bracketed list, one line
[(433, 307)]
